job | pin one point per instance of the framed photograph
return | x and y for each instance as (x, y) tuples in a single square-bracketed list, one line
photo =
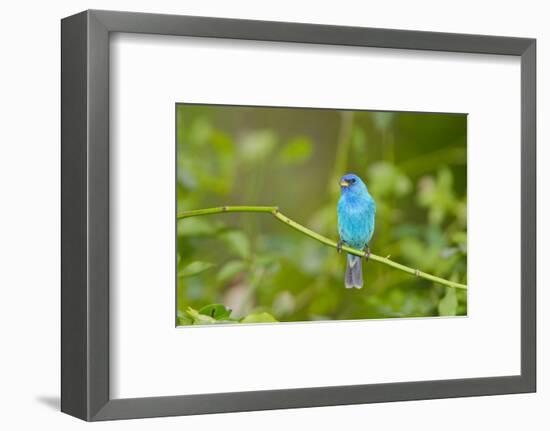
[(237, 266), (265, 215)]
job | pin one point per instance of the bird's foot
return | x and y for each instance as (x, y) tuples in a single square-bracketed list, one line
[(339, 246), (367, 253)]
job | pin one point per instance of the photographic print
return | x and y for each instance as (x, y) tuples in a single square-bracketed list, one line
[(302, 214)]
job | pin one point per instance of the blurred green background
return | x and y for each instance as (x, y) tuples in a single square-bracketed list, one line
[(249, 267)]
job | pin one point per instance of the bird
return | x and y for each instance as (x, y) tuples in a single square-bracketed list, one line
[(356, 217)]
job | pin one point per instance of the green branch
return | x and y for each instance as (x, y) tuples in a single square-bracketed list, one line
[(280, 216)]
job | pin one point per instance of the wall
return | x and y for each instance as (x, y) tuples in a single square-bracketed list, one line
[(29, 228)]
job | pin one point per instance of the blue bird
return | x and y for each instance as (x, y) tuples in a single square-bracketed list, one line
[(356, 211)]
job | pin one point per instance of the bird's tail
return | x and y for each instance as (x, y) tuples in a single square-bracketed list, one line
[(354, 272)]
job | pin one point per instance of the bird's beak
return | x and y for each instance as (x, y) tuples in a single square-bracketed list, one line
[(344, 183)]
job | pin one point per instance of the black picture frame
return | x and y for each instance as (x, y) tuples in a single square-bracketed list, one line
[(85, 214)]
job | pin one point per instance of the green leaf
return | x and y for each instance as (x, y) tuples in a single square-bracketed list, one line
[(195, 268), (183, 319), (262, 317), (231, 269), (199, 319), (296, 151), (216, 311), (448, 305), (238, 242)]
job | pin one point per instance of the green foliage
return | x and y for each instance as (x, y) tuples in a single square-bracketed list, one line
[(215, 314), (449, 303), (216, 311), (262, 317), (195, 268), (247, 268)]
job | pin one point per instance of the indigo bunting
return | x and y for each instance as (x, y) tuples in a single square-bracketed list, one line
[(356, 211)]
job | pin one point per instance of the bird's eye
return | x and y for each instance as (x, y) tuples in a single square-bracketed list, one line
[(352, 180)]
